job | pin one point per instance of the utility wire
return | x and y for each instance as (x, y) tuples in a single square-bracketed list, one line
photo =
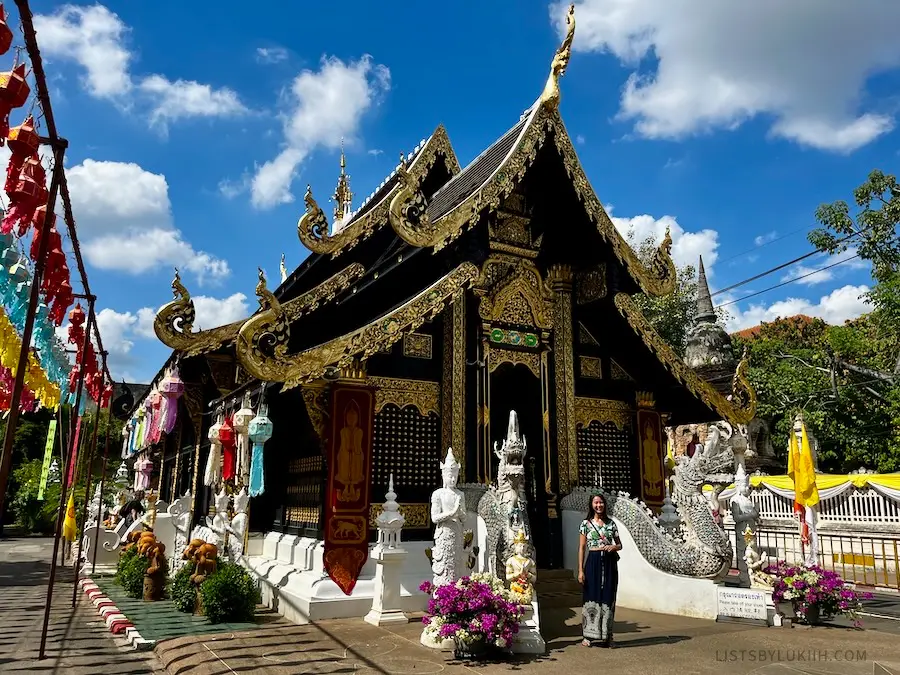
[(764, 244), (783, 265), (789, 281)]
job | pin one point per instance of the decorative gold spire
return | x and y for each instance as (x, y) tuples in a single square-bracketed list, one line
[(560, 62), (342, 197)]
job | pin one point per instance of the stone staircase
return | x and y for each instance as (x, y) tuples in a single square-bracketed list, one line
[(557, 588)]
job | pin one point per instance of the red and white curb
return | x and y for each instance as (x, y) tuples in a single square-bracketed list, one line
[(115, 620)]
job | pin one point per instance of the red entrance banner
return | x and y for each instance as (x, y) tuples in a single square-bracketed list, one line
[(349, 468), (650, 441)]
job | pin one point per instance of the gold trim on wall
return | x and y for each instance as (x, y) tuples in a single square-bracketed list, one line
[(566, 440), (602, 410), (591, 367), (423, 395), (315, 397), (417, 346), (418, 516), (262, 341), (531, 360), (453, 394)]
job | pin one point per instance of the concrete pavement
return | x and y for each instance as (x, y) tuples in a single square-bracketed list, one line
[(78, 643)]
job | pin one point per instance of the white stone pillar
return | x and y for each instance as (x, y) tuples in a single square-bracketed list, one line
[(387, 607)]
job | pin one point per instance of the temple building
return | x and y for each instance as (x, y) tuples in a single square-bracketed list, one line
[(447, 298)]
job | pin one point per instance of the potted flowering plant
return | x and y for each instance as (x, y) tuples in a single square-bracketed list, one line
[(814, 593), (477, 612)]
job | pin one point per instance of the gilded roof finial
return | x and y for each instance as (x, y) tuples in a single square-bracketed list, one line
[(284, 273), (560, 61), (342, 195)]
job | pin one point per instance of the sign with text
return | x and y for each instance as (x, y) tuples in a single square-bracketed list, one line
[(742, 603), (48, 456)]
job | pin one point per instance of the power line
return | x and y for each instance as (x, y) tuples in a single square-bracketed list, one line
[(787, 264), (789, 281), (764, 244)]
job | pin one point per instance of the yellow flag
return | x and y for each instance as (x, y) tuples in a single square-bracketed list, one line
[(69, 526), (801, 470)]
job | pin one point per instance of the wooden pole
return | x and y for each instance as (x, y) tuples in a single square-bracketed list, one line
[(102, 484), (40, 266), (62, 497)]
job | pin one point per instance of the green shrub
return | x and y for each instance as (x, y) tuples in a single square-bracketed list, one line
[(229, 595), (33, 515), (183, 592), (130, 573)]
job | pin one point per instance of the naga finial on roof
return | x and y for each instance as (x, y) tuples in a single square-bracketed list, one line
[(560, 61)]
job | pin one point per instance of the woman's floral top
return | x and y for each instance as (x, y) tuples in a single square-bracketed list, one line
[(599, 535)]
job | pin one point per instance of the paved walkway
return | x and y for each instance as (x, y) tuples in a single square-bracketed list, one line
[(77, 643)]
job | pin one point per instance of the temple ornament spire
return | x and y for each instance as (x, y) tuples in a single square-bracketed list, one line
[(560, 62), (343, 197), (708, 349)]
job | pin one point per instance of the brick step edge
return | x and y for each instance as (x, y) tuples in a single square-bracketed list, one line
[(112, 616)]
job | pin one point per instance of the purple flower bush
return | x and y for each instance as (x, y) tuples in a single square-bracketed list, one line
[(807, 586), (474, 609)]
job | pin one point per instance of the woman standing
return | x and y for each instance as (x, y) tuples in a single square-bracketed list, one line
[(598, 562)]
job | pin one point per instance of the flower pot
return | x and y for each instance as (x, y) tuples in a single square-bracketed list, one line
[(154, 586), (786, 609), (470, 651)]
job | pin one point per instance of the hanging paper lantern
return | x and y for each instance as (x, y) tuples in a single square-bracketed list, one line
[(23, 142), (241, 429), (107, 395), (172, 388), (260, 431), (62, 300), (226, 438), (14, 92), (155, 401), (6, 34), (213, 474), (29, 193)]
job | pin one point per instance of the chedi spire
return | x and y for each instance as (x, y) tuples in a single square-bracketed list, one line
[(708, 348), (343, 197)]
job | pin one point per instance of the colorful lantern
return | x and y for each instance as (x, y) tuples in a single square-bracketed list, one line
[(226, 438), (213, 474), (6, 34), (14, 93), (29, 193), (171, 388), (241, 423), (260, 431)]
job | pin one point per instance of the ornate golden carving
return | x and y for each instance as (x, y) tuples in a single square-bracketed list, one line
[(544, 121), (566, 439), (550, 95), (315, 396), (418, 516), (617, 372), (591, 367), (302, 514), (645, 399), (262, 341), (742, 406), (417, 346), (590, 285), (602, 410), (453, 394), (513, 292), (585, 337), (423, 395), (313, 228), (174, 322), (531, 360)]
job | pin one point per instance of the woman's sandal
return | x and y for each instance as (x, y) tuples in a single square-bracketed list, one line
[(585, 643)]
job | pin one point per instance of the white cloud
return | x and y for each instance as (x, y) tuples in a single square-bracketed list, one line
[(765, 238), (375, 152), (810, 276), (271, 54), (837, 307), (322, 108), (116, 331), (125, 218), (580, 139), (95, 38), (715, 65), (687, 247), (212, 312)]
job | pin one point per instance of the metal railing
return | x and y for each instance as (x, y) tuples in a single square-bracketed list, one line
[(855, 505), (867, 560)]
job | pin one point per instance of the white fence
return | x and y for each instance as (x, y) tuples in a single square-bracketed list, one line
[(854, 506)]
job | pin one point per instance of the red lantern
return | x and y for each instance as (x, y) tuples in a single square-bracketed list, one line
[(107, 396), (53, 238), (29, 194), (14, 92), (73, 377), (23, 143), (61, 302), (6, 34)]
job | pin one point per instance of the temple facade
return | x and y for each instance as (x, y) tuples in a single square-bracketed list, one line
[(419, 320)]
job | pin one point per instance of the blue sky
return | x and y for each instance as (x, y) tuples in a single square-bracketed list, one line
[(195, 127)]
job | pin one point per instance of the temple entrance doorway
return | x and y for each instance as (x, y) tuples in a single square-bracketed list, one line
[(515, 387)]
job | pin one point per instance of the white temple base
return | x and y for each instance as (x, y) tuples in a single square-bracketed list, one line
[(642, 586), (293, 581), (529, 640)]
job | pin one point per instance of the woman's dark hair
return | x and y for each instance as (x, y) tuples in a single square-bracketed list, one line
[(590, 509)]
